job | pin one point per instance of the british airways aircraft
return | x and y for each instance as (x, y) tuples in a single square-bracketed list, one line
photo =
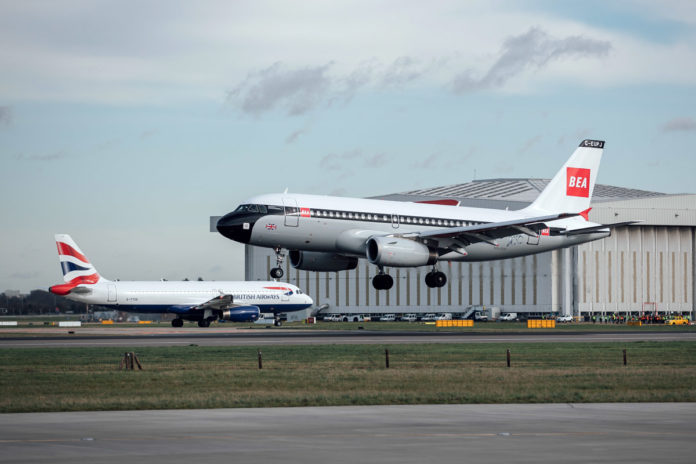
[(194, 301), (325, 233)]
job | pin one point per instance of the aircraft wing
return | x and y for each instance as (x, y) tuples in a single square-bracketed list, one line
[(491, 231), (589, 230), (219, 302)]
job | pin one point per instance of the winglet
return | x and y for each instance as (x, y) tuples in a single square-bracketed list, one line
[(586, 213)]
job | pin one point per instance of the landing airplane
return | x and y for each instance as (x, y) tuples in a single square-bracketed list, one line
[(325, 233), (194, 301)]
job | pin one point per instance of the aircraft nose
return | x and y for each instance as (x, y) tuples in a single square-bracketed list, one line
[(236, 227)]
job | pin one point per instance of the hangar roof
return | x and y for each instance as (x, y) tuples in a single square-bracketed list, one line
[(610, 203)]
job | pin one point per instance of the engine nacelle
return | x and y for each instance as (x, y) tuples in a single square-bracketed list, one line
[(322, 262), (399, 252), (241, 314)]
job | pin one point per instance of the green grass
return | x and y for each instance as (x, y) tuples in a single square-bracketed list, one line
[(75, 379)]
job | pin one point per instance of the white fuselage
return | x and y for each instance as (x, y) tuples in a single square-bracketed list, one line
[(178, 296), (343, 225)]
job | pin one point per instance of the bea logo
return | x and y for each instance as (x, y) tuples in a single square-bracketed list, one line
[(578, 182)]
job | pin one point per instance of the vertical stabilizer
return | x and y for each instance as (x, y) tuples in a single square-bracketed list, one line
[(570, 191), (76, 267)]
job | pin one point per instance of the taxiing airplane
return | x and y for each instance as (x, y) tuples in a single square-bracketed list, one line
[(325, 233), (204, 301)]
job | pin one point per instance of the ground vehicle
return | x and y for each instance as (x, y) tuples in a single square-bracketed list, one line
[(444, 317), (410, 317), (679, 320), (480, 316), (428, 317), (508, 317), (564, 318), (333, 318), (388, 318)]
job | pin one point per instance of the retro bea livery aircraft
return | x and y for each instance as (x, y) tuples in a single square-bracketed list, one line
[(204, 302), (325, 233)]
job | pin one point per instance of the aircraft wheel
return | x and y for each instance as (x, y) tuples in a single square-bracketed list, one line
[(276, 273), (177, 322), (382, 282), (439, 279), (204, 323)]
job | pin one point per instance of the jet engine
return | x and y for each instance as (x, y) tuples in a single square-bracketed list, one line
[(322, 262), (399, 252), (241, 314)]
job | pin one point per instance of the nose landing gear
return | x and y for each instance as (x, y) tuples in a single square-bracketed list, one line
[(277, 272)]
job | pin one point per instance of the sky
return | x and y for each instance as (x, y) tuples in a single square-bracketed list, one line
[(128, 124)]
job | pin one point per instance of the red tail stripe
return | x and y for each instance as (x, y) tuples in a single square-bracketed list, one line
[(278, 288), (586, 214), (65, 288), (65, 249)]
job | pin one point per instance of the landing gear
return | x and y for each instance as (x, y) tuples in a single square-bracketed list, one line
[(435, 279), (277, 272), (177, 322), (382, 281), (204, 323)]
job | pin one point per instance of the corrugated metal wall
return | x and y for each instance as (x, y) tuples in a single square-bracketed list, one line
[(637, 265), (520, 284)]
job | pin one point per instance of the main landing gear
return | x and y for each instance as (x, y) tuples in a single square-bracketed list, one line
[(382, 281), (435, 279), (277, 272), (177, 322)]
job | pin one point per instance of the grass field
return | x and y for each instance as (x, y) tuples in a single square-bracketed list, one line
[(75, 379)]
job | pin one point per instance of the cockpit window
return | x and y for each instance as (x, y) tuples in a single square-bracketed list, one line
[(251, 209)]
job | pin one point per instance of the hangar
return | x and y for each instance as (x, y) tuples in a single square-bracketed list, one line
[(644, 267)]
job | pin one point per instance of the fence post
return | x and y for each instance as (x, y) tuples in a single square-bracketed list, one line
[(624, 356), (508, 357), (386, 358), (260, 361)]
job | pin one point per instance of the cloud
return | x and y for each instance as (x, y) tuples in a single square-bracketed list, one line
[(49, 157), (294, 136), (530, 143), (402, 71), (533, 49), (433, 161), (376, 161), (295, 90), (147, 134), (335, 162), (680, 125), (25, 275), (5, 115)]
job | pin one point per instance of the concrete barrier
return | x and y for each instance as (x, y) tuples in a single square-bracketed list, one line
[(70, 324), (8, 323)]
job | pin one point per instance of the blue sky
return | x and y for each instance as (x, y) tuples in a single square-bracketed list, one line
[(128, 124)]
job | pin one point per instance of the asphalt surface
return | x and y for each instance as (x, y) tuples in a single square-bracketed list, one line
[(547, 433), (161, 336)]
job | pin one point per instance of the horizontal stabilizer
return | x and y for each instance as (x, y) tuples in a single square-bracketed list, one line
[(589, 230)]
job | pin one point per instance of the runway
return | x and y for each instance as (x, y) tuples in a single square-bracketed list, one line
[(533, 433), (129, 337)]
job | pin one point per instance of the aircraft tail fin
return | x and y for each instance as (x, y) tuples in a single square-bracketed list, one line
[(75, 266), (570, 191)]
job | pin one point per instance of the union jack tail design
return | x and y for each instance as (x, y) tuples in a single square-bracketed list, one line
[(76, 267)]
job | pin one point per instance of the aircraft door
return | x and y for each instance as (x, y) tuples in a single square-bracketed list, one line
[(284, 296), (292, 212), (111, 297)]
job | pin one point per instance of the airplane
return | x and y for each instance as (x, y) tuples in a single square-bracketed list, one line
[(202, 301), (328, 233)]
